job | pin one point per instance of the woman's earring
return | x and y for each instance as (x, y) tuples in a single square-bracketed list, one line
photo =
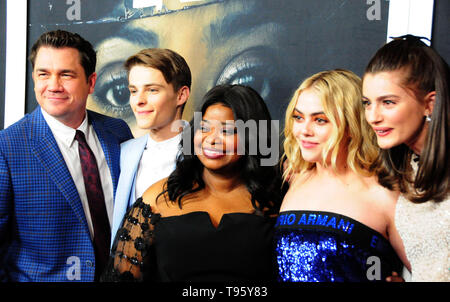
[(428, 118)]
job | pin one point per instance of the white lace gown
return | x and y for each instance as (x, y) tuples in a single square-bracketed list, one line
[(425, 231)]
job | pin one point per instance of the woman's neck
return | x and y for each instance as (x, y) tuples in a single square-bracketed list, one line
[(223, 183), (322, 170), (341, 167), (341, 171), (418, 142), (344, 176)]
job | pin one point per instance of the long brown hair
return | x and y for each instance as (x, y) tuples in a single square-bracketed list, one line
[(426, 71)]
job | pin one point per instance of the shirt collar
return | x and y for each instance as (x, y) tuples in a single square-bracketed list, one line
[(63, 133)]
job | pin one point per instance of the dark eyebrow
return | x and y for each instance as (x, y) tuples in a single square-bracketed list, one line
[(68, 71), (147, 85), (223, 123), (387, 96), (60, 71), (234, 23), (137, 35), (383, 97)]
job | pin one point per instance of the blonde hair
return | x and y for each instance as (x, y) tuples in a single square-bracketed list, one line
[(340, 93)]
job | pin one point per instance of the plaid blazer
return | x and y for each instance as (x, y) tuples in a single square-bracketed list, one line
[(43, 230)]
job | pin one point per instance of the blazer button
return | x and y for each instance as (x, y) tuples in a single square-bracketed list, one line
[(89, 263)]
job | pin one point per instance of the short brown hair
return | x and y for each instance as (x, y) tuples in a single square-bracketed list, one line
[(61, 39), (173, 66)]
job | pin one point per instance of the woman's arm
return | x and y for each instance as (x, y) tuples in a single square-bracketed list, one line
[(396, 242), (131, 254)]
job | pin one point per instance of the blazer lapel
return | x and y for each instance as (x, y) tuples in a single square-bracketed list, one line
[(127, 181), (111, 149), (45, 148), (134, 153)]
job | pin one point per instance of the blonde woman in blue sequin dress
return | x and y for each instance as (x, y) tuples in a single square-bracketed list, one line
[(336, 221)]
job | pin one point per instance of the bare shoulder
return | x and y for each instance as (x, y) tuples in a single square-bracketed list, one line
[(297, 193), (382, 196), (151, 194)]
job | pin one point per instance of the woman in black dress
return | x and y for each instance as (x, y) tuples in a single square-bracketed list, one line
[(212, 219)]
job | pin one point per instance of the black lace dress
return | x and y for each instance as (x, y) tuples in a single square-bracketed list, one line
[(188, 247)]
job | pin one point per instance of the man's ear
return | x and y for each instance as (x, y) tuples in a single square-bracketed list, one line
[(91, 81), (429, 100), (183, 95)]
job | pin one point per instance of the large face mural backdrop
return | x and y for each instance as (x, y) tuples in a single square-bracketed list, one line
[(269, 45)]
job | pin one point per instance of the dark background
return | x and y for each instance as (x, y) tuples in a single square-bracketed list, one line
[(440, 38)]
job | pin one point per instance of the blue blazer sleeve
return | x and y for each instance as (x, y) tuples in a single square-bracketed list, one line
[(5, 210)]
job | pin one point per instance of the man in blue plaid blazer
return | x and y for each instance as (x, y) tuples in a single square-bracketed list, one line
[(46, 231)]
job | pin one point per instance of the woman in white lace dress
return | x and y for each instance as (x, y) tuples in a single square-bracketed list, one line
[(406, 98)]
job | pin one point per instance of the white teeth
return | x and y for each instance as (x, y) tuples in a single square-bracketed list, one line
[(211, 152)]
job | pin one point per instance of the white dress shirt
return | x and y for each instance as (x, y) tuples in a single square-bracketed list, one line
[(157, 162), (65, 138)]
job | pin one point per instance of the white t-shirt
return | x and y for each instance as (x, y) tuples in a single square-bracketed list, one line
[(157, 162)]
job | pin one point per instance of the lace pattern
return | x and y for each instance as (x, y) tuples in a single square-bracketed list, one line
[(424, 229), (130, 258)]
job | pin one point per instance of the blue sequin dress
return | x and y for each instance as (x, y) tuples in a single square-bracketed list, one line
[(315, 246)]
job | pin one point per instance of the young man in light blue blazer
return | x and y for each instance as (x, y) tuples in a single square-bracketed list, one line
[(159, 84)]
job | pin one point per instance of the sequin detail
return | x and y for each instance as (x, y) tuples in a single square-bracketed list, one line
[(319, 252), (425, 232)]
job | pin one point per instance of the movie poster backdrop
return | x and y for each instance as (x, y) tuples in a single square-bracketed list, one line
[(269, 45)]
